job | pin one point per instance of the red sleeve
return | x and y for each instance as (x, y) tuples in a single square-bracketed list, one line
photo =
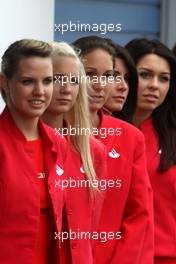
[(136, 244)]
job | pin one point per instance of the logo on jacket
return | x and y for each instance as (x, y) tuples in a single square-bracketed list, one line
[(160, 151), (59, 171), (114, 154), (41, 175), (82, 169)]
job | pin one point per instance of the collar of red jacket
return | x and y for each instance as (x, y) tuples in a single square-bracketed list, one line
[(148, 123), (47, 133)]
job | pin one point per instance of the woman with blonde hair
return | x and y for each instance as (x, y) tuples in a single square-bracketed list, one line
[(68, 113)]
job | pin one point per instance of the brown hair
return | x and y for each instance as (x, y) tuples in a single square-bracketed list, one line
[(24, 48)]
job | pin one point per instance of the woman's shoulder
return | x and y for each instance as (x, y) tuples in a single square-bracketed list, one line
[(54, 138), (52, 132), (127, 130)]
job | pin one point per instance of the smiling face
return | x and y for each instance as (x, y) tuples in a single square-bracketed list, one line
[(30, 89), (99, 70), (154, 81), (119, 92), (66, 84)]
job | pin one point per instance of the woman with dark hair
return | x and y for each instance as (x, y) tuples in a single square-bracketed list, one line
[(122, 98), (156, 117), (126, 210)]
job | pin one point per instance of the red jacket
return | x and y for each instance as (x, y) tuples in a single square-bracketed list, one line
[(127, 209), (83, 214), (164, 192), (19, 191)]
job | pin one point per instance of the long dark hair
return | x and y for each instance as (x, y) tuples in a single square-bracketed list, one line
[(89, 44), (164, 116), (130, 105)]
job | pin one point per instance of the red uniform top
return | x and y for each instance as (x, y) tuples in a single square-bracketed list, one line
[(45, 229), (127, 209), (164, 192), (83, 214), (19, 189)]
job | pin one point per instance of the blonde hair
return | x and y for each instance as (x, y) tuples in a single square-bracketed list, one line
[(78, 116)]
